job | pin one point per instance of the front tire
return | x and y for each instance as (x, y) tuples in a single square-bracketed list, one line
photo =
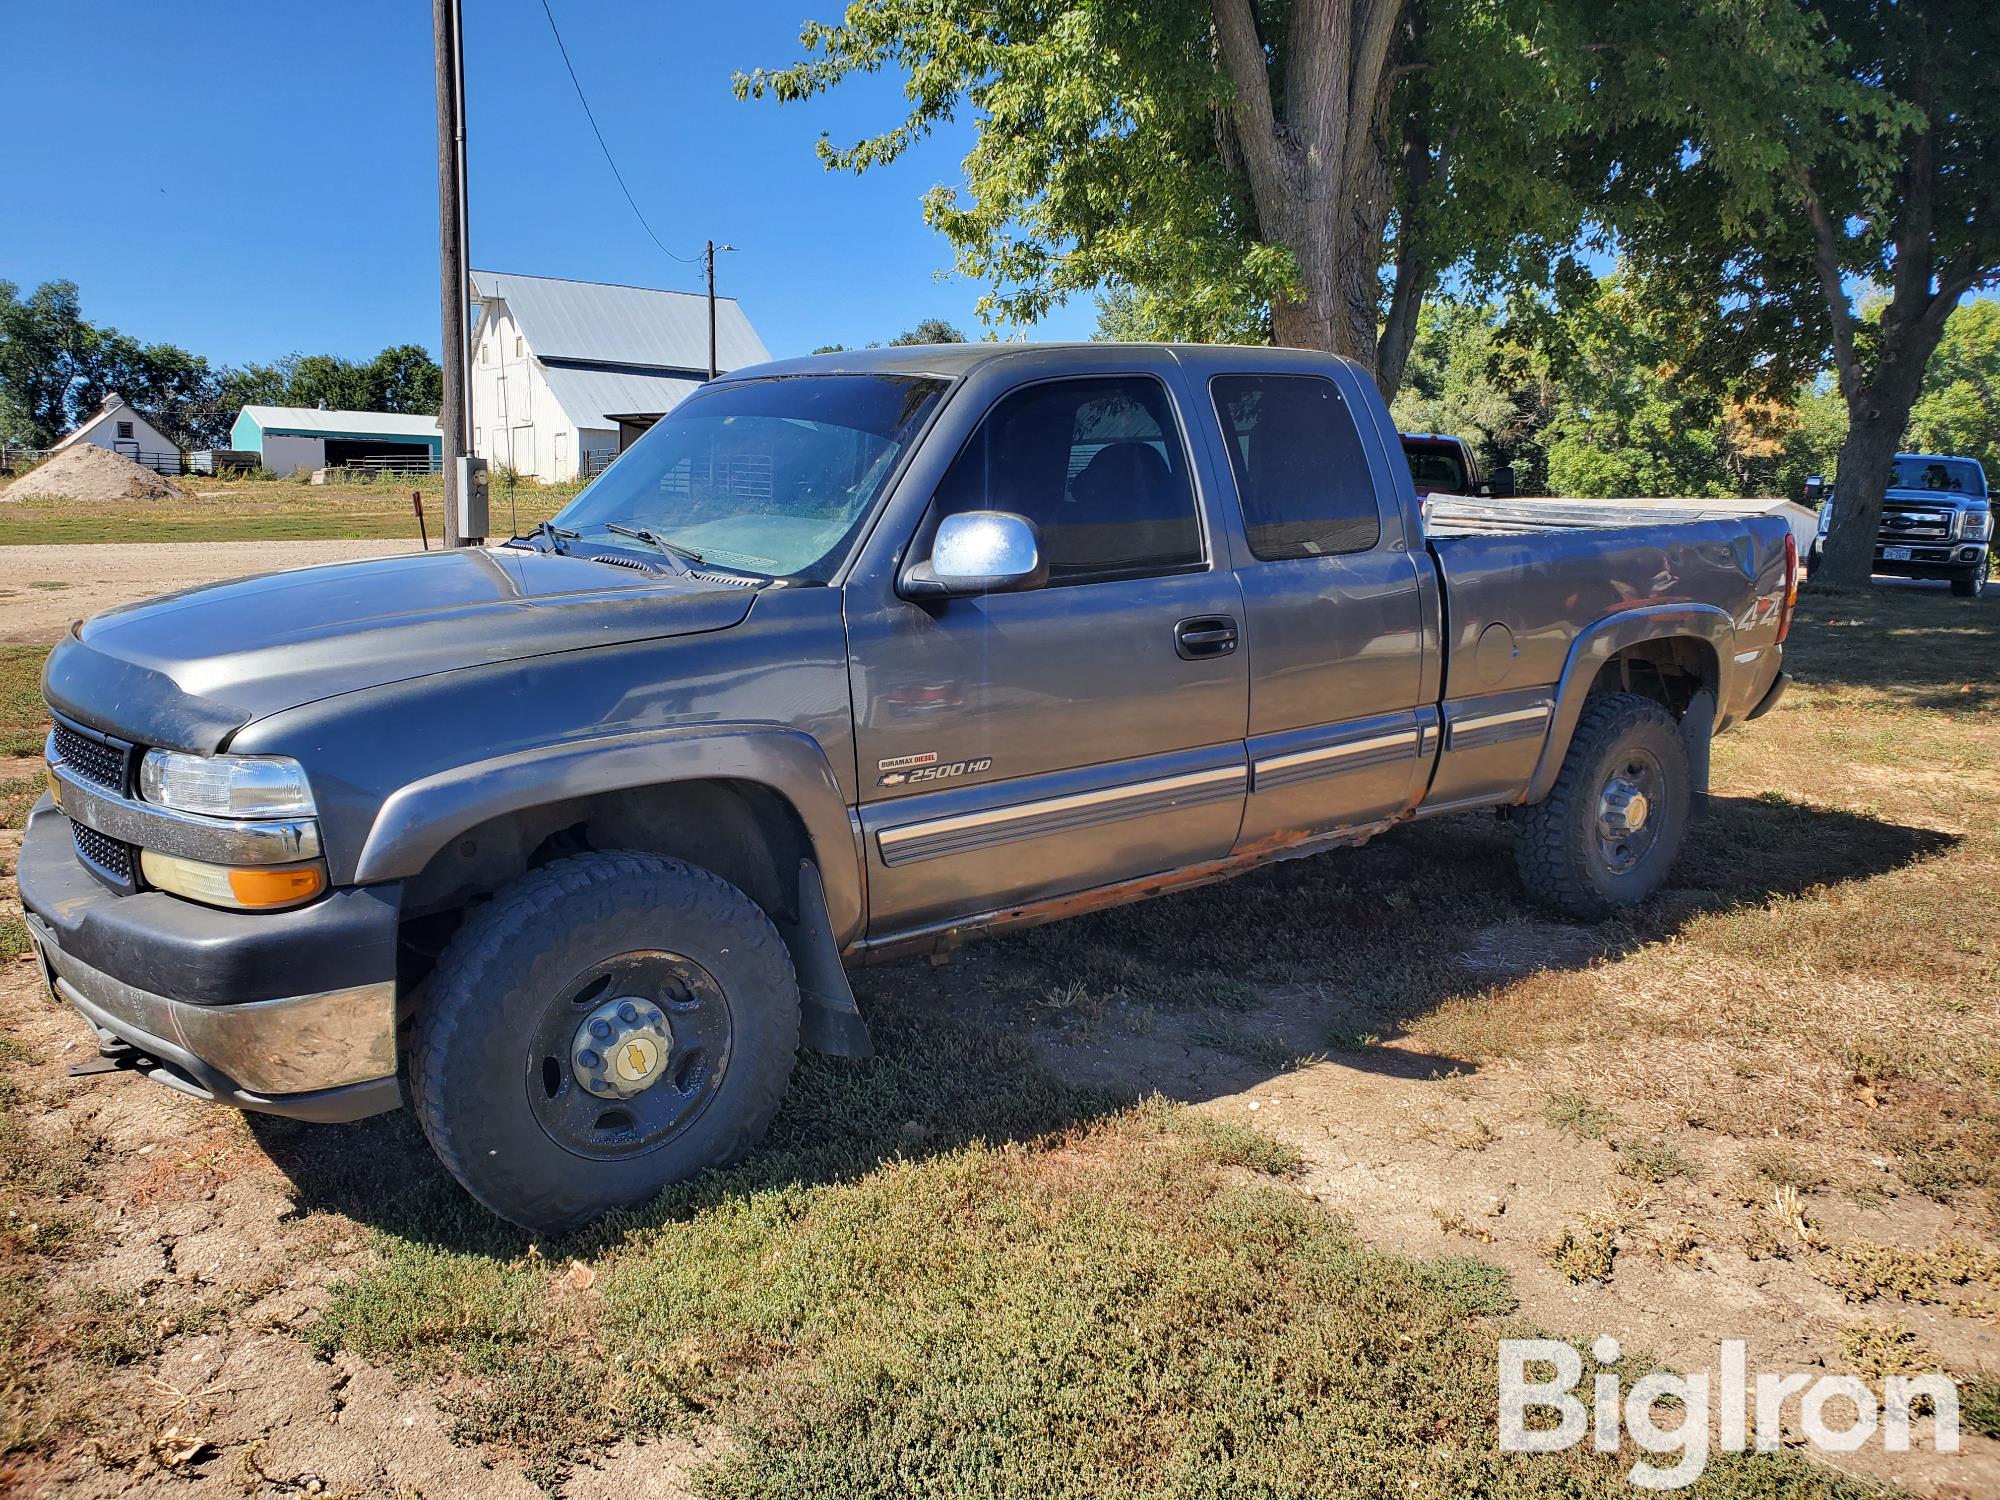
[(1970, 585), (607, 1025), (1610, 829)]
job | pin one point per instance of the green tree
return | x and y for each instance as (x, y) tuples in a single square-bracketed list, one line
[(1959, 410), (1235, 164), (407, 379), (929, 331), (43, 342), (56, 367), (1796, 151)]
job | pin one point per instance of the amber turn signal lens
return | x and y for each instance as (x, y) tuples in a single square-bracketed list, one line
[(237, 888), (287, 885)]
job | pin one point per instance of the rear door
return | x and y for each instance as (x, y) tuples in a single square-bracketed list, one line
[(1337, 608), (1021, 746)]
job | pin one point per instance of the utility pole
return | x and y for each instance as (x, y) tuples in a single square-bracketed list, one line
[(709, 260), (454, 277)]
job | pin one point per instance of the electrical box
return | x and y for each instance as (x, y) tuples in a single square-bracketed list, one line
[(474, 496)]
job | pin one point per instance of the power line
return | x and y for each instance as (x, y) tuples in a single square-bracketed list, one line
[(578, 86)]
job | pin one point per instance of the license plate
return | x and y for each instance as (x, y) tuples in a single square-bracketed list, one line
[(1895, 554)]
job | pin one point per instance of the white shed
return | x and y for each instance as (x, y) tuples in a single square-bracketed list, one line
[(566, 373), (119, 426)]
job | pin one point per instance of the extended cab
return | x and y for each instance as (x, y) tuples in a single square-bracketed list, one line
[(1937, 522), (569, 839)]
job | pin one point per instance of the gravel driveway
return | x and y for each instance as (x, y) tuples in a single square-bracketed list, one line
[(43, 588)]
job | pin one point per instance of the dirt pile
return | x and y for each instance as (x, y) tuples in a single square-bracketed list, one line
[(87, 472)]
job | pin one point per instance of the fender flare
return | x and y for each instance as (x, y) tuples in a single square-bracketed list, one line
[(1598, 643), (419, 819)]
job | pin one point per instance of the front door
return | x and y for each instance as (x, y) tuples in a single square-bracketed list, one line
[(1025, 745)]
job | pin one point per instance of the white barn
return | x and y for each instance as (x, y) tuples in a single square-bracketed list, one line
[(566, 373), (117, 425)]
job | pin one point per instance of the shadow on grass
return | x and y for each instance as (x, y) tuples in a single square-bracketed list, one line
[(1911, 641), (938, 1084), (1305, 958)]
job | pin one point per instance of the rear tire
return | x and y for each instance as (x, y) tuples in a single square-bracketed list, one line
[(1610, 829), (1970, 585), (547, 1101)]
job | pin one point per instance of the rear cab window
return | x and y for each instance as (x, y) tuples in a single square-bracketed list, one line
[(1100, 467), (1301, 472)]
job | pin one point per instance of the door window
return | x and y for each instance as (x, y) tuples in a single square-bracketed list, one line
[(1097, 465), (1300, 469)]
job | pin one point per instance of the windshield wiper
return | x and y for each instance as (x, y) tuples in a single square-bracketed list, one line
[(676, 554), (554, 535)]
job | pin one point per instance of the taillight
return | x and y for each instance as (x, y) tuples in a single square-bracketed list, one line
[(1791, 586)]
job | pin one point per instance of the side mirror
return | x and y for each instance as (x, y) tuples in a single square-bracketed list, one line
[(979, 552), (1500, 484), (1815, 488)]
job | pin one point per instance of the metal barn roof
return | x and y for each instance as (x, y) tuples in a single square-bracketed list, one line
[(592, 397), (621, 325), (312, 421)]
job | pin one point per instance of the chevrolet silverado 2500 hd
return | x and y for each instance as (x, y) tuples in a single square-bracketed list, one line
[(570, 838)]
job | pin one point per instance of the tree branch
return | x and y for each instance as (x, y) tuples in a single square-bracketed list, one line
[(1243, 61), (1368, 77), (1826, 259)]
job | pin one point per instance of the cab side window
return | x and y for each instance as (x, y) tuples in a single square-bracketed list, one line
[(1097, 465), (1300, 469)]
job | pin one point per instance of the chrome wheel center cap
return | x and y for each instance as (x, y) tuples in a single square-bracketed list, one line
[(1623, 808), (622, 1048)]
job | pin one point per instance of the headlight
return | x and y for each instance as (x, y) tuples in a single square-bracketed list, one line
[(226, 786), (1976, 525)]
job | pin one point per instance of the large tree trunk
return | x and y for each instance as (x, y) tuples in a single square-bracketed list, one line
[(1866, 456), (1317, 171), (1923, 293)]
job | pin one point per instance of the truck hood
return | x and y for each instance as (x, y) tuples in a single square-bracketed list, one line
[(1958, 498), (189, 669)]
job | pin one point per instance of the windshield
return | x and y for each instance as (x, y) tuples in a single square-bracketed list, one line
[(770, 476), (1958, 476)]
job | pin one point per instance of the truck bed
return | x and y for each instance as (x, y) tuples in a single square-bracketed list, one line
[(1464, 515)]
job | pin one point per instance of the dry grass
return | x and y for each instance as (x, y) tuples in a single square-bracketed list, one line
[(265, 510), (946, 1265)]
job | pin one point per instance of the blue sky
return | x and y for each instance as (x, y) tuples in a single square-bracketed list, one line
[(248, 180)]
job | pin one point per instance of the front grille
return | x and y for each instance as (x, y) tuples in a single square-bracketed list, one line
[(1907, 521), (96, 758), (112, 860)]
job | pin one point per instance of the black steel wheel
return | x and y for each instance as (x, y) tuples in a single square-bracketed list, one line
[(1610, 829), (605, 1026)]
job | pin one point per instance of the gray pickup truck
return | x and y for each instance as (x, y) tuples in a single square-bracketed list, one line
[(571, 838)]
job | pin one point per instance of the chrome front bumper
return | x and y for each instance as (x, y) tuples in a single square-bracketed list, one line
[(323, 1056), (319, 1057), (205, 1000)]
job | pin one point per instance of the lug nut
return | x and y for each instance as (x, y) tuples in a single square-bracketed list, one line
[(589, 1058), (601, 1030), (628, 1012)]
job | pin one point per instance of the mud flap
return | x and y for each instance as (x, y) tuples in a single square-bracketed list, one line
[(830, 1021), (1698, 734)]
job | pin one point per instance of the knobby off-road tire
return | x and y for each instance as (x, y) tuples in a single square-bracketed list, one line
[(493, 1074), (1568, 847)]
